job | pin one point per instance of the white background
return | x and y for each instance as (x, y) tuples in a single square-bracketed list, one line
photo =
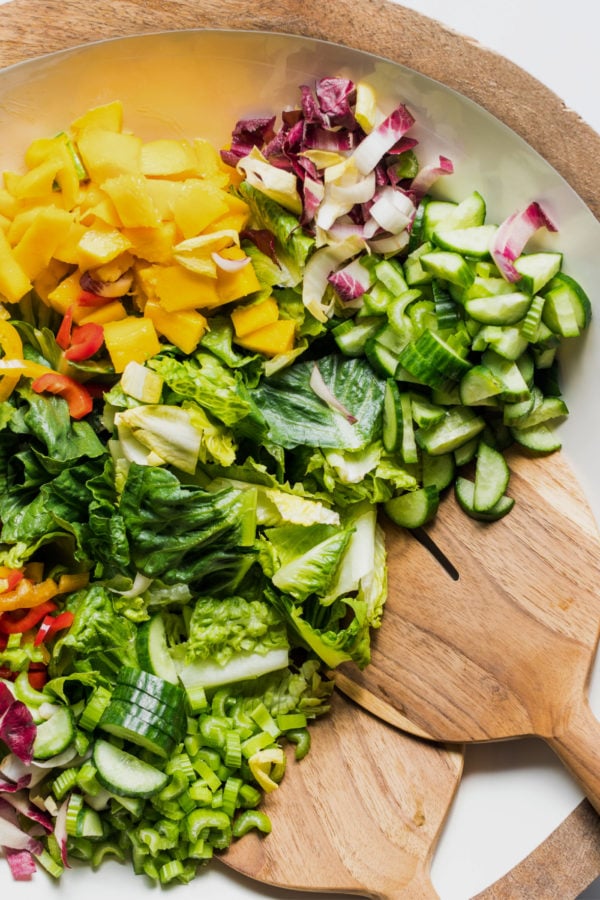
[(557, 43)]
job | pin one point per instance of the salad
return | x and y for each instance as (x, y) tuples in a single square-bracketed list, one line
[(218, 365)]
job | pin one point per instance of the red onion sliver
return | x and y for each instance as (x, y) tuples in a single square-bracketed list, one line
[(229, 265), (513, 234)]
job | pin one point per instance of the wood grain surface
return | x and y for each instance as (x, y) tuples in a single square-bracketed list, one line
[(570, 858)]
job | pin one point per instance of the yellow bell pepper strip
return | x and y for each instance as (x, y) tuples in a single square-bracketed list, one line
[(27, 594), (79, 399), (11, 344)]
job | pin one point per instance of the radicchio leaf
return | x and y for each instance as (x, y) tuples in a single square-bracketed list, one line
[(513, 234), (18, 730), (22, 864)]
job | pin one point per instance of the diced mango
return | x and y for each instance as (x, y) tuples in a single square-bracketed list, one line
[(109, 117), (106, 154), (164, 194), (65, 294), (132, 338), (177, 288), (113, 270), (14, 283), (273, 339), (36, 248), (113, 311), (152, 244), (104, 210), (56, 151), (8, 204), (168, 159), (131, 199), (197, 204), (67, 249), (249, 318), (184, 328), (49, 279), (37, 182), (236, 218), (233, 285), (99, 245), (208, 160)]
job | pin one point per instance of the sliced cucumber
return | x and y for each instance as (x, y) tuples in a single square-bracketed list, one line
[(133, 697), (172, 694), (474, 241), (458, 426), (449, 266), (499, 309), (440, 356), (124, 774), (465, 490), (123, 723), (536, 270), (438, 470), (351, 336), (54, 734), (152, 650), (491, 477), (478, 385), (508, 372), (539, 438), (425, 412), (415, 508)]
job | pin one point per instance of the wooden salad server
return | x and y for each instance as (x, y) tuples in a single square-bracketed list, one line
[(493, 634), (360, 814)]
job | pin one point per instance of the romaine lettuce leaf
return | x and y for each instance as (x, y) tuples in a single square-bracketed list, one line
[(296, 416), (307, 557), (221, 628)]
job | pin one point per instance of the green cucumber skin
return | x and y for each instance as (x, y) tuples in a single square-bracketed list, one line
[(156, 687), (124, 774)]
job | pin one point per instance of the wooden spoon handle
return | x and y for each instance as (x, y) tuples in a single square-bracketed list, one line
[(578, 746)]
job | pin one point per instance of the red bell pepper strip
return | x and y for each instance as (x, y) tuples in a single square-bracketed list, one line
[(85, 341), (52, 624), (9, 578), (63, 335), (18, 621), (79, 399), (37, 678)]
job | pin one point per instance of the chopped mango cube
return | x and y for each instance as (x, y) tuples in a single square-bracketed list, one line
[(184, 328), (99, 245), (197, 204), (36, 248), (168, 159), (132, 338), (240, 283), (152, 244), (106, 154), (113, 311), (65, 294), (109, 117), (177, 288), (249, 318), (132, 201), (273, 339), (14, 283)]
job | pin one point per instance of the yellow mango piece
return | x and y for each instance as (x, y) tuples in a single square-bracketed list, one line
[(197, 204), (208, 159), (106, 154), (236, 218), (109, 117), (8, 204), (99, 245), (152, 244), (21, 223), (177, 288), (184, 328), (104, 210), (249, 318), (113, 311), (233, 285), (273, 339), (4, 223), (132, 201), (36, 248), (55, 151), (65, 294), (37, 182), (67, 249), (133, 338), (14, 282), (49, 279), (111, 271), (168, 159), (164, 194)]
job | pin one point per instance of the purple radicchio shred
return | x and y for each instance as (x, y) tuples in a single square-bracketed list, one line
[(263, 240), (18, 730), (23, 805), (21, 863), (335, 96), (248, 133)]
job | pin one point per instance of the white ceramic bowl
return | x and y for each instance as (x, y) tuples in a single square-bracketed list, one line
[(197, 84)]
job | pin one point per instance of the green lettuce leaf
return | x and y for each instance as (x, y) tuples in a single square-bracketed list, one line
[(297, 416), (307, 557), (220, 629)]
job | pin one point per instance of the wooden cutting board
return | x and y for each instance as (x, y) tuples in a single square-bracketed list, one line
[(570, 858)]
